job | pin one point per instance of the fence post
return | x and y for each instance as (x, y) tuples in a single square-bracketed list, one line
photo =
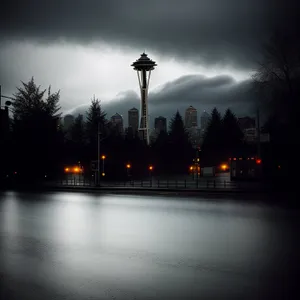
[(167, 183), (157, 182), (74, 180), (214, 183), (151, 182), (224, 183), (197, 181), (207, 183), (141, 183), (176, 183), (185, 183)]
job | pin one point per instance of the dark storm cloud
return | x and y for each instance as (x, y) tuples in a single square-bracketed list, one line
[(207, 31), (201, 92)]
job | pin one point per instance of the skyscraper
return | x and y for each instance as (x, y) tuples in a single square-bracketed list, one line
[(191, 119), (133, 119), (160, 124), (117, 122)]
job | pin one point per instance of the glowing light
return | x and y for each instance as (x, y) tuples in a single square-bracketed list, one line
[(258, 161), (103, 174), (67, 170), (103, 156), (150, 168), (76, 169), (224, 167), (191, 168), (128, 166)]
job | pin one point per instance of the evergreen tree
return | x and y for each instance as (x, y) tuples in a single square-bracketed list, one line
[(177, 131), (160, 152), (213, 140), (180, 148), (36, 131), (29, 102), (78, 130), (232, 135), (95, 119)]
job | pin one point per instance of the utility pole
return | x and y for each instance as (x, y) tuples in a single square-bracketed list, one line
[(98, 159)]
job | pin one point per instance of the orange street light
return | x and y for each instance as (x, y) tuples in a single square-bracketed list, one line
[(76, 170), (224, 167), (67, 170), (150, 168), (128, 166), (103, 157)]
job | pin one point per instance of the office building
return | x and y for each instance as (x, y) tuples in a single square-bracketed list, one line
[(160, 124), (133, 119), (117, 122), (191, 119)]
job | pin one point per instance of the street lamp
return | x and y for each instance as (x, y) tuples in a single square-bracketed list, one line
[(150, 172), (99, 140), (103, 157), (128, 167)]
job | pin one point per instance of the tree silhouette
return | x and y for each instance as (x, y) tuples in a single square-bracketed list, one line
[(78, 130), (95, 119), (36, 131), (177, 130), (29, 101), (180, 148), (277, 83), (232, 135), (212, 152), (161, 153)]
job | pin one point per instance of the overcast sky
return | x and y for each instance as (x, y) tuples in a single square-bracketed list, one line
[(206, 50)]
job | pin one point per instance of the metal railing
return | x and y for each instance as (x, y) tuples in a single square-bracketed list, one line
[(202, 183)]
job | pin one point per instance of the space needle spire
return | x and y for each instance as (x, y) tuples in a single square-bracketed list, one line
[(144, 65)]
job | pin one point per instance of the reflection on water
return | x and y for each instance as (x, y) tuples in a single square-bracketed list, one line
[(124, 246)]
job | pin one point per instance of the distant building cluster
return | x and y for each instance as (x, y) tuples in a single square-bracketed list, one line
[(195, 129)]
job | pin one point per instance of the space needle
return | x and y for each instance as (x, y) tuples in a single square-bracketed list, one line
[(144, 65)]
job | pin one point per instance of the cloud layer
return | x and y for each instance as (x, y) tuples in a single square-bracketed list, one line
[(201, 92), (212, 32)]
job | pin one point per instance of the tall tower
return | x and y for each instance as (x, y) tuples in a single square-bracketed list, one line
[(144, 65)]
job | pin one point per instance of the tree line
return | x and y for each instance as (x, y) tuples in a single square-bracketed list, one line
[(38, 145)]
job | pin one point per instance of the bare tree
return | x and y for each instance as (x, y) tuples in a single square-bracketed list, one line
[(277, 77)]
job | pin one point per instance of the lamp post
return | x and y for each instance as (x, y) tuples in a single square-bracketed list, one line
[(128, 167), (103, 157), (99, 140), (150, 173)]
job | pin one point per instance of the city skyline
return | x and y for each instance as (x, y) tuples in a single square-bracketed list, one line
[(160, 122)]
